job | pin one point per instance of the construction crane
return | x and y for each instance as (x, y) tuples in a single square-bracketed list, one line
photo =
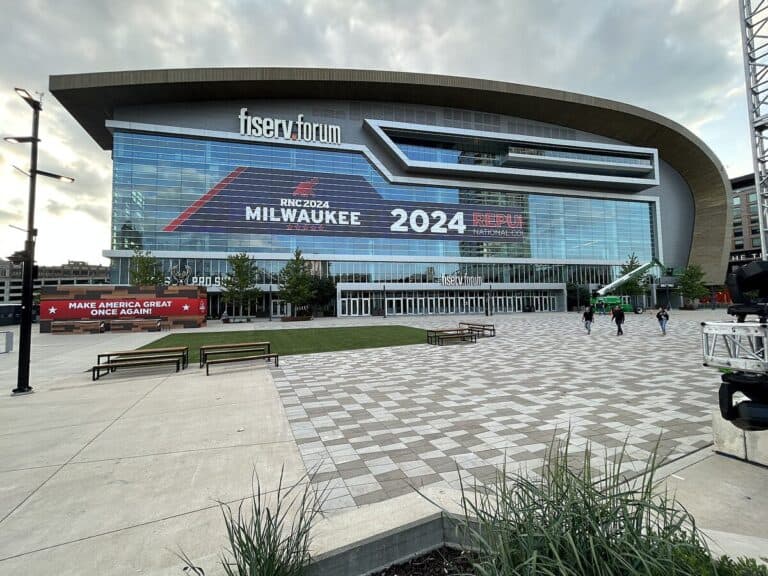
[(740, 349), (753, 17)]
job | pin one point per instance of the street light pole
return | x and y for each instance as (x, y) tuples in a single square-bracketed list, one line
[(27, 288)]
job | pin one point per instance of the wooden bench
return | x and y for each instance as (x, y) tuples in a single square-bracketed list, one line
[(77, 327), (439, 336), (267, 357), (112, 366), (135, 325), (207, 349), (211, 354), (480, 329), (129, 358), (182, 351)]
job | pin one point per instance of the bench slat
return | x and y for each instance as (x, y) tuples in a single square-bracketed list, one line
[(112, 366), (184, 350), (208, 349), (242, 359)]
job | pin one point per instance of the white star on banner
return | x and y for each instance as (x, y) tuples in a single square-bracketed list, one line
[(52, 310), (185, 307)]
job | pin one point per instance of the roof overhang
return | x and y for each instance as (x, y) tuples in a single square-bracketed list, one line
[(93, 98)]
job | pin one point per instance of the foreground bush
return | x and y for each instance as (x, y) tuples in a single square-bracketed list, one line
[(574, 522), (269, 534)]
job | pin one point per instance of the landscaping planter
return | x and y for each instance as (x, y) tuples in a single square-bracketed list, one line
[(295, 318), (440, 562)]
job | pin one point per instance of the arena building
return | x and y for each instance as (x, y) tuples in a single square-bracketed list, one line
[(418, 194)]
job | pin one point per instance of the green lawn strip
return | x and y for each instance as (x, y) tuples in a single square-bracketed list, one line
[(300, 341)]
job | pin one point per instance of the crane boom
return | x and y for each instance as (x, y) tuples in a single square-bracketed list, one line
[(636, 272)]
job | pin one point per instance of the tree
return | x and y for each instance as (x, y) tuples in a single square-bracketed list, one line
[(577, 295), (239, 282), (690, 284), (296, 283), (145, 270), (324, 290), (633, 286)]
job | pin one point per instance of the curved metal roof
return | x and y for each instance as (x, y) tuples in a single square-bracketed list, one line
[(92, 99)]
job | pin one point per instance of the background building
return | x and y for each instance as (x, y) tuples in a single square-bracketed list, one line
[(418, 194), (745, 245), (72, 273)]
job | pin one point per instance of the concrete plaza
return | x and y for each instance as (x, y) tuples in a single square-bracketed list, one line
[(114, 477)]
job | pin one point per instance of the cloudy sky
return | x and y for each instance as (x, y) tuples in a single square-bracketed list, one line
[(680, 58)]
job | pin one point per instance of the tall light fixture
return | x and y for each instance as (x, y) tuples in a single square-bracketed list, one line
[(25, 337)]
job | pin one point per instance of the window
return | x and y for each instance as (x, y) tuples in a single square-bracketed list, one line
[(738, 245), (754, 230), (756, 242), (737, 200), (753, 197), (738, 232)]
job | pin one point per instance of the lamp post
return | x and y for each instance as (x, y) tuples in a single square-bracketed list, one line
[(25, 335)]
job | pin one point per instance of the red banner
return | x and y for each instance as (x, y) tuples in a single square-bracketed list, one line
[(124, 308)]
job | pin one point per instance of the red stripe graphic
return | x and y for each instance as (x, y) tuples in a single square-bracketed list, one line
[(202, 201)]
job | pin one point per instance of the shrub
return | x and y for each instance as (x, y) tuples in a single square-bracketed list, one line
[(271, 535), (572, 522)]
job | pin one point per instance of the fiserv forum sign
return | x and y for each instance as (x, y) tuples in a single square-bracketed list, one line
[(299, 129)]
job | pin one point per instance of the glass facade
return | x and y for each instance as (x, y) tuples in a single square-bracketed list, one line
[(157, 178), (207, 270), (496, 153)]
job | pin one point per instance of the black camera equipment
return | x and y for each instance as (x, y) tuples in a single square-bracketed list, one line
[(740, 348)]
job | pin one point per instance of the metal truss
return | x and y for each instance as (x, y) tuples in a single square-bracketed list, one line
[(738, 346), (754, 34)]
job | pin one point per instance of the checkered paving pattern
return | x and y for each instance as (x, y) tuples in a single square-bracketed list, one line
[(376, 423)]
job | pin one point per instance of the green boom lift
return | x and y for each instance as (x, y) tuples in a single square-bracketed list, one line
[(611, 301)]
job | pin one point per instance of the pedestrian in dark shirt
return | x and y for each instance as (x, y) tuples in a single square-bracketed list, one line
[(663, 317), (588, 317), (618, 317)]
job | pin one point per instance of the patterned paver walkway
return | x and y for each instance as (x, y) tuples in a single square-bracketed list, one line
[(376, 423)]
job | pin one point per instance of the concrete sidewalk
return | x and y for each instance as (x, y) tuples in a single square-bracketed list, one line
[(727, 497), (114, 477)]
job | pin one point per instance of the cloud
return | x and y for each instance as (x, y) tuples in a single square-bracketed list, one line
[(10, 217), (680, 59)]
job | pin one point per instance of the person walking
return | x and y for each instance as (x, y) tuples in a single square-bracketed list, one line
[(618, 316), (588, 317), (663, 317)]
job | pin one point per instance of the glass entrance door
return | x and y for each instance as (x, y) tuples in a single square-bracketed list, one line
[(394, 306), (280, 308)]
